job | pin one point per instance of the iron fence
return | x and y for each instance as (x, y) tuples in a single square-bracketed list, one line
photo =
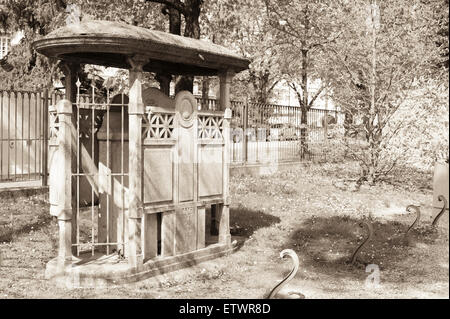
[(259, 133), (264, 133), (24, 134)]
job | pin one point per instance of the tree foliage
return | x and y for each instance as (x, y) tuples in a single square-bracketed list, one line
[(303, 30), (387, 71), (236, 24), (32, 70), (380, 65), (35, 20), (243, 26)]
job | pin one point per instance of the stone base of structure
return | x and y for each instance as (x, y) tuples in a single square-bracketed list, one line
[(100, 271)]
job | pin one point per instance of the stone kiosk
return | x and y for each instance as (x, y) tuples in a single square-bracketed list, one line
[(160, 163)]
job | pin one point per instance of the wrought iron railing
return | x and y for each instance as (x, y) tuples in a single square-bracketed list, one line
[(259, 132), (24, 134)]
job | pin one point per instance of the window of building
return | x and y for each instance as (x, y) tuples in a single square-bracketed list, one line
[(5, 43)]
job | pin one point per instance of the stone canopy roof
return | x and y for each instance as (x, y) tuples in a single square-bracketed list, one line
[(110, 43)]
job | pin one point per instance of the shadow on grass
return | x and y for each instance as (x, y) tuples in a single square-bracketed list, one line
[(244, 222), (8, 233), (327, 244), (409, 178)]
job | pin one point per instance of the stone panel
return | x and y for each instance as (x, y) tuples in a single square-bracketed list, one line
[(158, 175), (168, 225), (210, 171), (186, 164), (186, 234)]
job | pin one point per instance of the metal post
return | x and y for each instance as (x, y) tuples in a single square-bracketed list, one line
[(245, 136), (45, 139)]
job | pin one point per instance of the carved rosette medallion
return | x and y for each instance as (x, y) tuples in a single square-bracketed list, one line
[(186, 108)]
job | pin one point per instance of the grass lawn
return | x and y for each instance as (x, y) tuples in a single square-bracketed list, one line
[(311, 209)]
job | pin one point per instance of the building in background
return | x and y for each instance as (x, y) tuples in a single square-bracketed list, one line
[(283, 94), (8, 38), (5, 43), (5, 37)]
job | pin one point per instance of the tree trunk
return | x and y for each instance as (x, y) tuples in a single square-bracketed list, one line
[(184, 83), (192, 26), (373, 149), (191, 30), (304, 85), (304, 104), (205, 92), (174, 28), (303, 133), (174, 21)]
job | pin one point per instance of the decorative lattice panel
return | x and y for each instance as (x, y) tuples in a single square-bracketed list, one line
[(54, 126), (158, 125), (210, 127)]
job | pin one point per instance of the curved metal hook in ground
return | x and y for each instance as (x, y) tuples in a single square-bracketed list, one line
[(274, 293), (369, 229), (416, 221), (441, 198)]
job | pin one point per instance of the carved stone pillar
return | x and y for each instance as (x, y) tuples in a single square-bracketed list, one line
[(60, 181), (136, 113), (70, 71), (225, 85), (223, 210)]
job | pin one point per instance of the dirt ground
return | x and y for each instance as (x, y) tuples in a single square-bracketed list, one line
[(313, 209)]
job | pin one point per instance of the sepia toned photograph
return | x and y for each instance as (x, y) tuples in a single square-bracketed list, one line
[(193, 150)]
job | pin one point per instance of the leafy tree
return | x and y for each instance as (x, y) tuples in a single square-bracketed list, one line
[(190, 10), (303, 31), (32, 70), (183, 17), (440, 12), (422, 124), (243, 26), (382, 63), (28, 67)]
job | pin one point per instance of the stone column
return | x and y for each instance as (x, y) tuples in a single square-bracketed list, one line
[(60, 181), (225, 78), (223, 210), (70, 72), (136, 113)]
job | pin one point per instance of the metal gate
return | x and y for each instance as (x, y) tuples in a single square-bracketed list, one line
[(99, 172)]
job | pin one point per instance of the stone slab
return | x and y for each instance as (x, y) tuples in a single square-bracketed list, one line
[(101, 270)]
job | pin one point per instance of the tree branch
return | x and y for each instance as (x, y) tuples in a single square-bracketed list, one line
[(316, 96), (299, 94), (272, 86), (295, 33), (321, 44), (352, 77)]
